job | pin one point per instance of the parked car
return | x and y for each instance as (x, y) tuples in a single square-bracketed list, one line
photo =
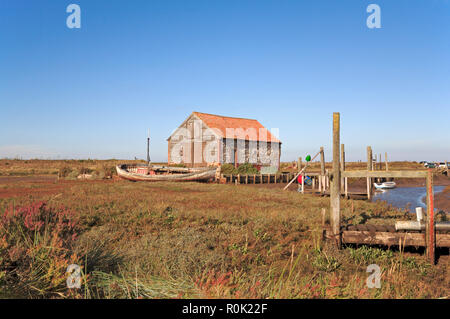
[(442, 165)]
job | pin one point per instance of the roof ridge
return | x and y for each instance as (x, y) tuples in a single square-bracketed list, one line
[(231, 117)]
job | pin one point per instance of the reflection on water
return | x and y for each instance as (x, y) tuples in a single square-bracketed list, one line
[(402, 196)]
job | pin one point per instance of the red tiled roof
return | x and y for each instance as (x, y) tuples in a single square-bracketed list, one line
[(221, 123)]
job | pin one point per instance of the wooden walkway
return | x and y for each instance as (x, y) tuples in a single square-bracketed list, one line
[(258, 178)]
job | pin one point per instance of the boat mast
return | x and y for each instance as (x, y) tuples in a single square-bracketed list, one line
[(148, 147)]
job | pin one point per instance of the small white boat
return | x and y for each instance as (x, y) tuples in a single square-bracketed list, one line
[(385, 185)]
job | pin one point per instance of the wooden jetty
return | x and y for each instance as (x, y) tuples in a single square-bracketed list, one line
[(378, 235)]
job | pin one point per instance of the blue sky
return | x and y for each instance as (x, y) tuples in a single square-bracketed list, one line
[(94, 92)]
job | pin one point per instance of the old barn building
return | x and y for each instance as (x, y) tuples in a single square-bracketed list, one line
[(207, 139)]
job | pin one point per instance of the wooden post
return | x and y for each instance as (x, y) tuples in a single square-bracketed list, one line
[(342, 164), (446, 168), (369, 168), (239, 178), (335, 192), (246, 179), (385, 160), (320, 184), (379, 162), (254, 179), (430, 230), (322, 168), (299, 164), (346, 187), (313, 183), (323, 217)]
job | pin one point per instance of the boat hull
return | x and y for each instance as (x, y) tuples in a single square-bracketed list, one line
[(169, 174), (385, 185)]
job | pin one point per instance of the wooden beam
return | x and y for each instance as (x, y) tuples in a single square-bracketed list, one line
[(389, 238), (335, 191), (375, 174), (430, 231), (299, 164)]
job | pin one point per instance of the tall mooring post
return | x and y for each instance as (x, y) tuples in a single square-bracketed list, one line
[(335, 191), (299, 164), (369, 168), (430, 228), (342, 164)]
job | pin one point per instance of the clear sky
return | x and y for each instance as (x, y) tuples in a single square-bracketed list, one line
[(93, 92)]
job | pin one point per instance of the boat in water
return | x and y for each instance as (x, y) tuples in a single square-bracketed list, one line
[(156, 173), (385, 185)]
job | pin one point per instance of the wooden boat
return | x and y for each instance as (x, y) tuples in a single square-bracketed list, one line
[(385, 185), (155, 173)]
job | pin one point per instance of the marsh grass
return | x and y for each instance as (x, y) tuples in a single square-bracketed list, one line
[(163, 240)]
